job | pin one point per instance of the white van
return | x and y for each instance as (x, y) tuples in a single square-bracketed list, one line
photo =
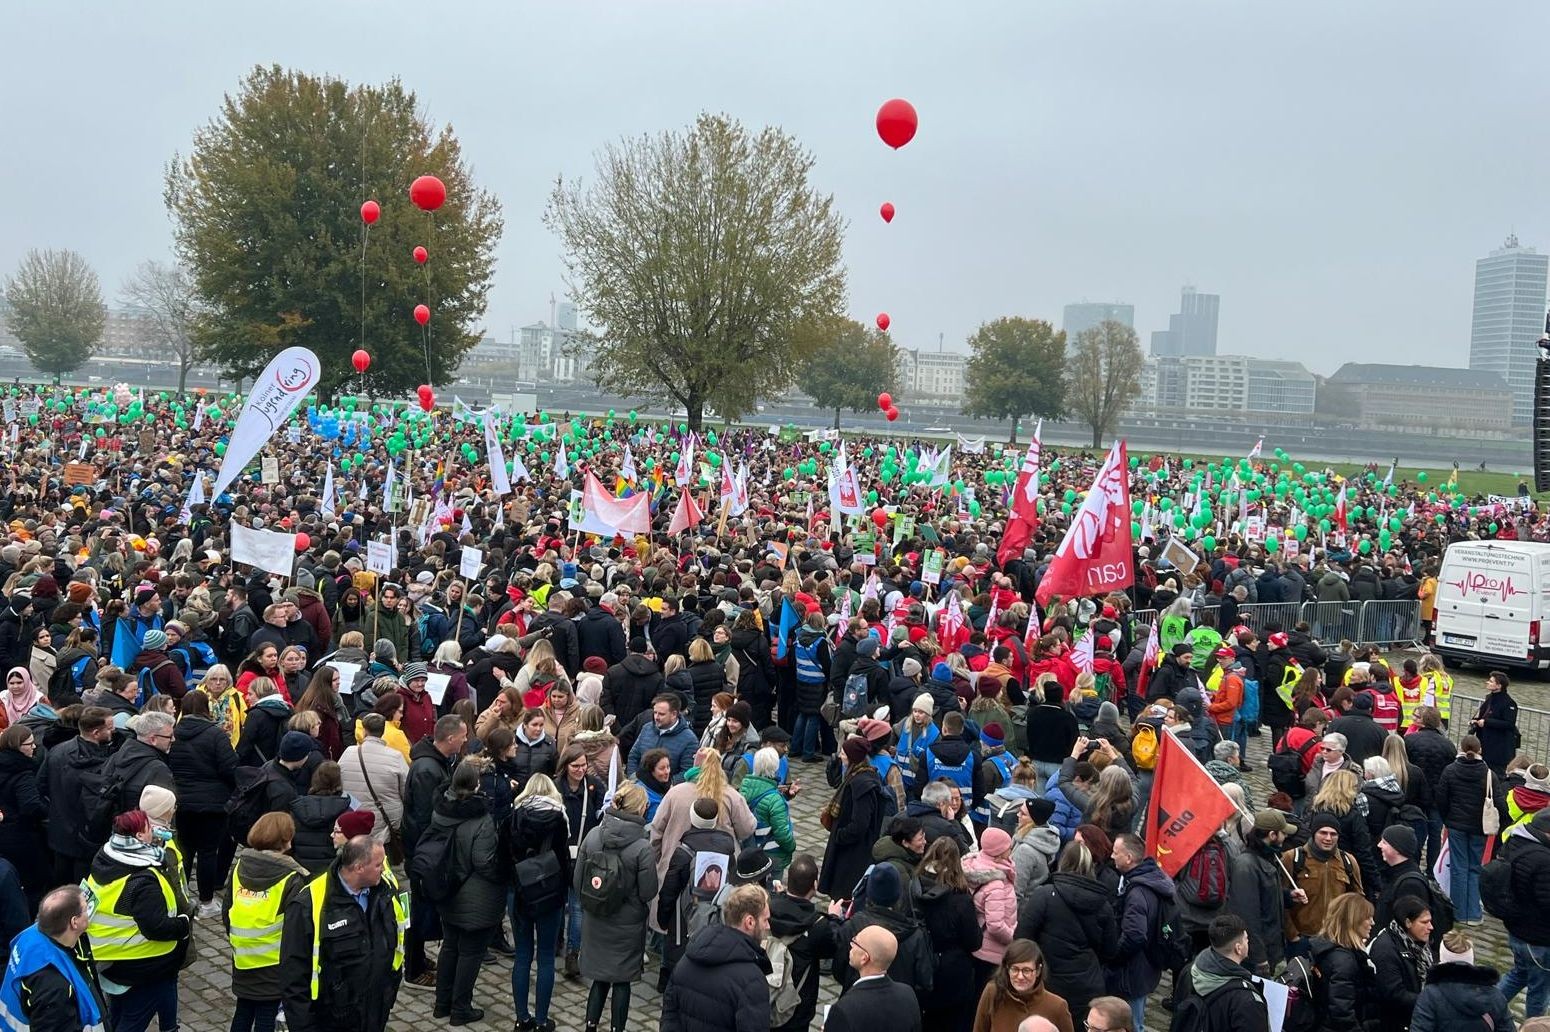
[(1491, 602)]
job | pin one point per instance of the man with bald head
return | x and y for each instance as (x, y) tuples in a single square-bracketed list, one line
[(874, 1000), (1037, 1024)]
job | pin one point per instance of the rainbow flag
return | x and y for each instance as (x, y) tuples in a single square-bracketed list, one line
[(441, 478)]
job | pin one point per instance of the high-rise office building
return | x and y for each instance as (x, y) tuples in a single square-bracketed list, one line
[(1192, 331), (1086, 314), (1508, 317)]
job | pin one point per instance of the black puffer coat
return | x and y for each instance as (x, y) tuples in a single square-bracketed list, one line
[(955, 930), (599, 633), (706, 678), (1350, 986), (204, 765), (540, 757), (480, 898), (1460, 794), (1072, 919), (21, 833), (314, 815), (1458, 996), (718, 985), (1430, 750)]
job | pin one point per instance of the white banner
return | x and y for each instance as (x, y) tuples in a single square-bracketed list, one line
[(264, 549), (470, 562), (281, 387), (379, 557)]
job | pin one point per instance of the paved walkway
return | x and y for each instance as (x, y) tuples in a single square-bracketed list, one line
[(206, 984)]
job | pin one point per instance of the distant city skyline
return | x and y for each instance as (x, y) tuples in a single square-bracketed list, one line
[(1508, 317)]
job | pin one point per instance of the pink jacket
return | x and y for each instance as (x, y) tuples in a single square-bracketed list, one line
[(995, 900)]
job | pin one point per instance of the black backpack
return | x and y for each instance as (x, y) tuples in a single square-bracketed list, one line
[(1194, 1012), (1438, 901), (100, 791), (1496, 893), (249, 802), (1286, 767), (431, 864), (1169, 949)]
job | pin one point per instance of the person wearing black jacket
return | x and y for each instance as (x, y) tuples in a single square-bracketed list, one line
[(1364, 735), (1496, 723), (61, 783), (1229, 997), (1073, 919), (561, 632), (1400, 955), (356, 981), (141, 761), (204, 771), (720, 983), (314, 815), (470, 915), (599, 633), (631, 684), (1349, 980), (487, 668), (538, 830), (1431, 751), (56, 985), (21, 833), (670, 632), (944, 903), (1461, 797), (808, 934), (430, 769), (858, 820), (756, 680)]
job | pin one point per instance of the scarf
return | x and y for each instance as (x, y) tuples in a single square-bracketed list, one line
[(1411, 950), (127, 849)]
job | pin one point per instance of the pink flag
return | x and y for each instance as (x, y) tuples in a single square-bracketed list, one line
[(606, 514), (687, 516)]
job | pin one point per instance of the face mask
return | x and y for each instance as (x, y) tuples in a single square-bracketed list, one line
[(162, 834)]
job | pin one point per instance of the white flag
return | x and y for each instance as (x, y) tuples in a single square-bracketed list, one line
[(561, 466), (519, 468), (196, 496), (199, 416), (276, 392), (492, 445), (942, 468), (1259, 446), (327, 504), (387, 486), (627, 470)]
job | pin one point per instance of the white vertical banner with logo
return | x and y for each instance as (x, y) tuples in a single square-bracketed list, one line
[(492, 444), (276, 393)]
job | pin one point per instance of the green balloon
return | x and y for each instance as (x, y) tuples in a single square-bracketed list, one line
[(1272, 545), (1135, 530), (1210, 542), (1137, 507), (1421, 476), (1364, 546), (220, 446), (1300, 532)]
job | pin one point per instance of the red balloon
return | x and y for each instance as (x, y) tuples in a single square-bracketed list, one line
[(303, 542), (371, 211), (897, 122), (886, 211), (361, 360), (883, 321), (421, 254), (880, 517), (427, 401), (885, 401), (422, 314), (425, 391), (429, 193), (892, 414)]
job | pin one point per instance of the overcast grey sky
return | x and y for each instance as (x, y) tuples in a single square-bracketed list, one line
[(1330, 169)]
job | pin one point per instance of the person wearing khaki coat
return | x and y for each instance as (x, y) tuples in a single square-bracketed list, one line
[(376, 761)]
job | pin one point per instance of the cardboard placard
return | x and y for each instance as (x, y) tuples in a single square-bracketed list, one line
[(79, 473), (147, 441), (269, 470), (1178, 553)]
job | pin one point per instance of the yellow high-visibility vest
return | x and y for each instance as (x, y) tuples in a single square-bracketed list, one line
[(116, 936), (318, 890), (256, 923)]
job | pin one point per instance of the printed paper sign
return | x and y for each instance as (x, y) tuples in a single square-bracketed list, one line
[(293, 433), (347, 675), (1178, 553), (270, 470), (931, 570), (436, 686), (470, 563), (379, 557)]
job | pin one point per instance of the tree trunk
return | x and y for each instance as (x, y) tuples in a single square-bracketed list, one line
[(1097, 435), (182, 379), (836, 419), (695, 408), (1013, 438)]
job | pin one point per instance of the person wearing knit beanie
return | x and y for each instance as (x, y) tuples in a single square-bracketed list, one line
[(78, 592), (995, 842), (873, 730), (943, 673), (924, 703), (910, 667), (855, 749), (992, 736), (352, 823), (1401, 839), (159, 804)]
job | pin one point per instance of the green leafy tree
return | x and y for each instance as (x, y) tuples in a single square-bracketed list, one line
[(1104, 375), (850, 369), (1014, 371), (56, 310), (267, 216), (706, 260)]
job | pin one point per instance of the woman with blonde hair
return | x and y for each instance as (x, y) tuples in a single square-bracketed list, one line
[(709, 781), (1112, 805), (505, 710), (594, 738), (228, 706), (541, 666), (1340, 955), (1340, 796), (540, 834), (562, 716)]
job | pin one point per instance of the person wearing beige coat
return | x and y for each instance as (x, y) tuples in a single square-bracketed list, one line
[(376, 762), (672, 820)]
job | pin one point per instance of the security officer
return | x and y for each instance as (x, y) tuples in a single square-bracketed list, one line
[(50, 979), (342, 950), (263, 881), (137, 932)]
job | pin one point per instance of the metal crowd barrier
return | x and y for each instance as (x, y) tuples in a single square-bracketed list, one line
[(1533, 725), (1380, 622)]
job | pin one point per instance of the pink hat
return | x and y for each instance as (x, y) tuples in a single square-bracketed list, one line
[(996, 842)]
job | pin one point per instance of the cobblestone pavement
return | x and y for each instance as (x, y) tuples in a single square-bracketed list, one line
[(206, 1001)]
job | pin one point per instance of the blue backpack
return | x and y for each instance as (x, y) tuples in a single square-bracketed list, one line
[(193, 658), (147, 682)]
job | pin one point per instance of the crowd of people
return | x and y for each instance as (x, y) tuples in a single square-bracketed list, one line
[(584, 758)]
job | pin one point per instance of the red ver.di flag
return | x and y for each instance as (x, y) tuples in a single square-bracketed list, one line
[(1186, 808), (1094, 557)]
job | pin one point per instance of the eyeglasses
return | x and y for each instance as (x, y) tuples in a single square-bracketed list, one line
[(1024, 971), (1090, 1027)]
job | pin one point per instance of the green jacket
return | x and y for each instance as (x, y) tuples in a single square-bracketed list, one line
[(771, 811)]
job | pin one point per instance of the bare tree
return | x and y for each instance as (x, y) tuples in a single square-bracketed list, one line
[(1104, 375), (166, 293)]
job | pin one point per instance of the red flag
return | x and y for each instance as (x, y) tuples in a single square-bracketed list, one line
[(1024, 518), (1094, 557), (687, 516), (1187, 806), (1148, 660)]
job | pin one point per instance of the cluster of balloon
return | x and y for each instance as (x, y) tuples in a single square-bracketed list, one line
[(427, 396), (885, 403), (896, 125)]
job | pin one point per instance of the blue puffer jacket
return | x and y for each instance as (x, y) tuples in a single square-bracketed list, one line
[(1146, 890), (1067, 816), (679, 740)]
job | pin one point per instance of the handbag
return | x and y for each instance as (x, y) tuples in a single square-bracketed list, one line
[(1490, 816), (395, 839)]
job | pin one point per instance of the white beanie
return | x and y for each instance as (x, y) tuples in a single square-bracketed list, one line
[(157, 802), (1447, 956), (924, 703)]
